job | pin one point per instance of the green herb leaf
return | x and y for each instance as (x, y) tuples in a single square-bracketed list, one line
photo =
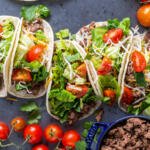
[(114, 23), (81, 145), (29, 107), (34, 117), (140, 79), (33, 12)]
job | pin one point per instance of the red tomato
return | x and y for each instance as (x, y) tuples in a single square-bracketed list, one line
[(70, 138), (77, 90), (21, 75), (53, 133), (143, 15), (1, 28), (81, 70), (105, 67), (18, 124), (40, 147), (35, 52), (144, 0), (111, 94), (138, 60), (114, 35), (34, 133), (4, 131), (127, 97)]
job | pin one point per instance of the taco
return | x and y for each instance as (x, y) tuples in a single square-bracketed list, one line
[(135, 96), (70, 96), (8, 30), (106, 45), (31, 59)]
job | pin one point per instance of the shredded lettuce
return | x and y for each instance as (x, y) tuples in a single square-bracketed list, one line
[(41, 36), (62, 34), (138, 110), (62, 95)]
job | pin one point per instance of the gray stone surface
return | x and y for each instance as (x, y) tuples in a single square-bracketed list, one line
[(71, 14)]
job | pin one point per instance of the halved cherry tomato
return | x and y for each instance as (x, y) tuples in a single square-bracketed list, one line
[(77, 90), (1, 28), (70, 138), (81, 70), (40, 147), (34, 133), (21, 75), (138, 60), (35, 52), (143, 15), (127, 97), (18, 124), (114, 35), (111, 94), (105, 67), (4, 131), (53, 133)]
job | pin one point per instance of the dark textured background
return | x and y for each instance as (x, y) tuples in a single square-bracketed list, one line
[(71, 14)]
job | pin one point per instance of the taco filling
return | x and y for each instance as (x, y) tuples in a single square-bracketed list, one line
[(31, 58), (7, 30), (71, 95), (136, 98), (106, 44)]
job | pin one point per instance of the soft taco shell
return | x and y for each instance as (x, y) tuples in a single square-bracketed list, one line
[(4, 82), (83, 54), (91, 67), (11, 88)]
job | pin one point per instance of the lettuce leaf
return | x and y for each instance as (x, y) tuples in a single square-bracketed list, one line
[(108, 81), (62, 34), (61, 95), (40, 35)]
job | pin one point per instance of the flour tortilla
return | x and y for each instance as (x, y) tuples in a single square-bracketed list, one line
[(23, 94), (91, 66), (16, 22), (83, 54)]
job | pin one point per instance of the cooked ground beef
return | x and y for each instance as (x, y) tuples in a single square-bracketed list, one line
[(134, 134), (35, 25)]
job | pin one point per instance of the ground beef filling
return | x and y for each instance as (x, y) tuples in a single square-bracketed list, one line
[(134, 134)]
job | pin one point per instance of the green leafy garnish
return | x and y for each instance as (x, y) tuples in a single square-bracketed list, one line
[(62, 34), (32, 12), (114, 23), (81, 145), (140, 79), (33, 112), (138, 110)]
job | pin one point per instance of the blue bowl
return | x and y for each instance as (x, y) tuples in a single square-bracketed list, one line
[(105, 127)]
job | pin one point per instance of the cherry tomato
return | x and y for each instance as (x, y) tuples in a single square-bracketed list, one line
[(111, 94), (143, 15), (144, 0), (35, 52), (18, 124), (70, 138), (77, 90), (138, 60), (1, 28), (127, 97), (53, 133), (114, 35), (105, 67), (21, 75), (40, 147), (81, 70), (34, 133), (4, 131)]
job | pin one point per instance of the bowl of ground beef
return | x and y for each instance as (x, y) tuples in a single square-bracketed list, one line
[(128, 133)]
